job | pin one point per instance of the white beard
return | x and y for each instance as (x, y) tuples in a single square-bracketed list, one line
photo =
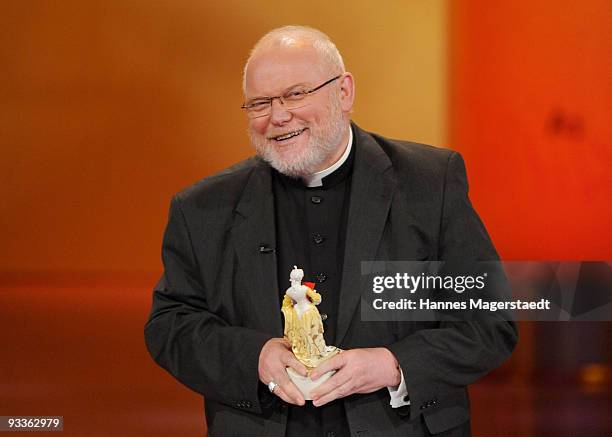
[(323, 142)]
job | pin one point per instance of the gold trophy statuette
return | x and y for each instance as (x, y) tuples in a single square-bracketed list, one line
[(304, 331)]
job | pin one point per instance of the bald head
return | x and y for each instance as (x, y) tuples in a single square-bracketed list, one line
[(299, 38)]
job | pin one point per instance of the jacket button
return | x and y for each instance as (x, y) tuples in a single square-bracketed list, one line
[(316, 199), (321, 277), (323, 316), (318, 238)]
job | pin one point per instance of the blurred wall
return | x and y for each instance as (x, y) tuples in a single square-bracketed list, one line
[(109, 107), (530, 104), (531, 108)]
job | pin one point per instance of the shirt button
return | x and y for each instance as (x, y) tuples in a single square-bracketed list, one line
[(321, 277), (318, 238), (316, 199)]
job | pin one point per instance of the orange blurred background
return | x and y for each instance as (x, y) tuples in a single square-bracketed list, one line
[(108, 108)]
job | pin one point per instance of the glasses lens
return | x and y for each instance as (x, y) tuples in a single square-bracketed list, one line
[(258, 108), (295, 99), (294, 96)]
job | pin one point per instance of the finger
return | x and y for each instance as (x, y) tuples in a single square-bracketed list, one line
[(337, 380), (337, 393), (278, 391), (296, 365), (288, 387), (334, 363), (291, 393)]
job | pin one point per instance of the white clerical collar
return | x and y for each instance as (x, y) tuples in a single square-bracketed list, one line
[(316, 179)]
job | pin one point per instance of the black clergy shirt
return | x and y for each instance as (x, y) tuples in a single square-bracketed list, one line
[(311, 230)]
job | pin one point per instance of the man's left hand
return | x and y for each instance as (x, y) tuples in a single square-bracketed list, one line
[(357, 371)]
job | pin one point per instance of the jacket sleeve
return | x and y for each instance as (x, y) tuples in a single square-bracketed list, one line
[(455, 354), (193, 343)]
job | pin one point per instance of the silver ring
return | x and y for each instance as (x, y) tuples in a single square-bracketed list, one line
[(271, 386)]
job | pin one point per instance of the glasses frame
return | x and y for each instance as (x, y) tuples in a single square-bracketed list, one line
[(271, 99)]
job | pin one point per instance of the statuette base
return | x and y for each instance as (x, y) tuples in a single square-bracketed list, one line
[(305, 384)]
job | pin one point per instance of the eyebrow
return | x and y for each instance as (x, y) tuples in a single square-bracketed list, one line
[(285, 91)]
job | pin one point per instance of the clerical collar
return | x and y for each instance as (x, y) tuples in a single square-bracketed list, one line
[(316, 179)]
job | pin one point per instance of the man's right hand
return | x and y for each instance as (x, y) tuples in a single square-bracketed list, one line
[(274, 358)]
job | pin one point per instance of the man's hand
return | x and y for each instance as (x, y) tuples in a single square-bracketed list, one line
[(274, 358), (358, 371)]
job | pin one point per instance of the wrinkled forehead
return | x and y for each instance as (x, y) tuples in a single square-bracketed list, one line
[(272, 70)]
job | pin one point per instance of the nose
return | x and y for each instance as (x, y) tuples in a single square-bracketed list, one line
[(279, 114)]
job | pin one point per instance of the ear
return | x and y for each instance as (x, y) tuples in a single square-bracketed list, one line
[(347, 92)]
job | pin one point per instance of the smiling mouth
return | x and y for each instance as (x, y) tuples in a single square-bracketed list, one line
[(288, 135)]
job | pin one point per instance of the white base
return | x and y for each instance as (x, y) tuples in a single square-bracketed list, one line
[(305, 384)]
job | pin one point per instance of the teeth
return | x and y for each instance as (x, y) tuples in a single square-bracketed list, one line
[(289, 135)]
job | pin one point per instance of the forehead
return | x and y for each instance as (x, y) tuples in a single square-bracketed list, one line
[(273, 70)]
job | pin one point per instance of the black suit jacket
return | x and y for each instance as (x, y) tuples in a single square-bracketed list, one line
[(218, 300)]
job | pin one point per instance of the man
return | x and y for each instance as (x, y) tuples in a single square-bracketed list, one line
[(324, 195)]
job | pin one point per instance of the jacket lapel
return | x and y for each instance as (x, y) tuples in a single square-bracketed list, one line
[(372, 189), (255, 242)]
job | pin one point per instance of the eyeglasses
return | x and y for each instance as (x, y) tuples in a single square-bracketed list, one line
[(292, 99)]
